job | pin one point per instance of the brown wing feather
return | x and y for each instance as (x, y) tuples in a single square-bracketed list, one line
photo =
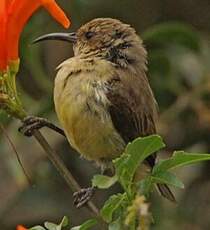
[(130, 114), (133, 114)]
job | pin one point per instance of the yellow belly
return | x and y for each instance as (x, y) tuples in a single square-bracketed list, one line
[(84, 116), (90, 134)]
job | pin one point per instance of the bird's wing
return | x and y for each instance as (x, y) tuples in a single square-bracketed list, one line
[(132, 107)]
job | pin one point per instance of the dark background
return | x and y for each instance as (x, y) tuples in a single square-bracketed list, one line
[(179, 73)]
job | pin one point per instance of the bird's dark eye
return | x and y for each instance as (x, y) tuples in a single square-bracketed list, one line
[(89, 34)]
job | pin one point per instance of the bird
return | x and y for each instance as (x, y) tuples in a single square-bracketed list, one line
[(102, 94)]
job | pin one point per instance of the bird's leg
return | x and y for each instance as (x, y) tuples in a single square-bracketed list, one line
[(32, 123), (83, 196)]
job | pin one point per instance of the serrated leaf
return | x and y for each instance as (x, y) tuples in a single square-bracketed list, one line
[(112, 205), (180, 158), (52, 226), (37, 228), (135, 153), (167, 178), (103, 182), (87, 225)]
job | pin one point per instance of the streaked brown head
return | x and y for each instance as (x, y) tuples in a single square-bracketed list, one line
[(106, 38)]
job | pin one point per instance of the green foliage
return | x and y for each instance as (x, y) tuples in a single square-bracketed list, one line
[(146, 185), (135, 153), (64, 223), (172, 33), (86, 225), (178, 159), (103, 182), (114, 204), (128, 208), (127, 165), (167, 178), (37, 228), (51, 226), (115, 225)]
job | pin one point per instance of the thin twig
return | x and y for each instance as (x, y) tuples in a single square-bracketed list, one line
[(60, 166), (16, 154)]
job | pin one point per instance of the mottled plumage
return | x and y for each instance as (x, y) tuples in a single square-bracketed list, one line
[(102, 95)]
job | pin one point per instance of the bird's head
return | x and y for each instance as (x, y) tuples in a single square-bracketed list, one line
[(105, 38)]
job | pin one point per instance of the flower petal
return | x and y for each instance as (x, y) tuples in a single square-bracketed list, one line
[(20, 227), (3, 61), (8, 2), (2, 5), (19, 13), (56, 12)]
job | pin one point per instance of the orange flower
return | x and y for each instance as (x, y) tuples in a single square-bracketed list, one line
[(3, 58), (20, 227), (13, 16)]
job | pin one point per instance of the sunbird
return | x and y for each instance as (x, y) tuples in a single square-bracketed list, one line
[(102, 95)]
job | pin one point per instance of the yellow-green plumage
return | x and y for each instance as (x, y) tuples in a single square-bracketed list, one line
[(82, 108)]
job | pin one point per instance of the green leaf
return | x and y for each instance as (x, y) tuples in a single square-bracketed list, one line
[(51, 226), (115, 225), (145, 186), (167, 178), (135, 153), (172, 33), (179, 158), (37, 228), (103, 182), (87, 225), (113, 204), (64, 222)]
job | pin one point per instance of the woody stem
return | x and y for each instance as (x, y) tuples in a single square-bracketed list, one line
[(60, 166), (13, 106), (62, 169)]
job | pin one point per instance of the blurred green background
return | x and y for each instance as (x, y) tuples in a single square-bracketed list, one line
[(176, 35)]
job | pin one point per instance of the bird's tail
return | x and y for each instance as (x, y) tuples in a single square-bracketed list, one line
[(166, 192)]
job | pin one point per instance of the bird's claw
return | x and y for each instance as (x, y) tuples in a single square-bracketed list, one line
[(30, 124), (83, 196)]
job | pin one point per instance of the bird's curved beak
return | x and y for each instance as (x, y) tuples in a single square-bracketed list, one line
[(68, 37)]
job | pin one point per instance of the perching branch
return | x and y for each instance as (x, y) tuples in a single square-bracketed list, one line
[(10, 102), (60, 166)]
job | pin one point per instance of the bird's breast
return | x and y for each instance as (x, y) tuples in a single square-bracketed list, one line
[(82, 108)]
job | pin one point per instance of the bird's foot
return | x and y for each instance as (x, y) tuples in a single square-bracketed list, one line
[(83, 196), (31, 123)]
